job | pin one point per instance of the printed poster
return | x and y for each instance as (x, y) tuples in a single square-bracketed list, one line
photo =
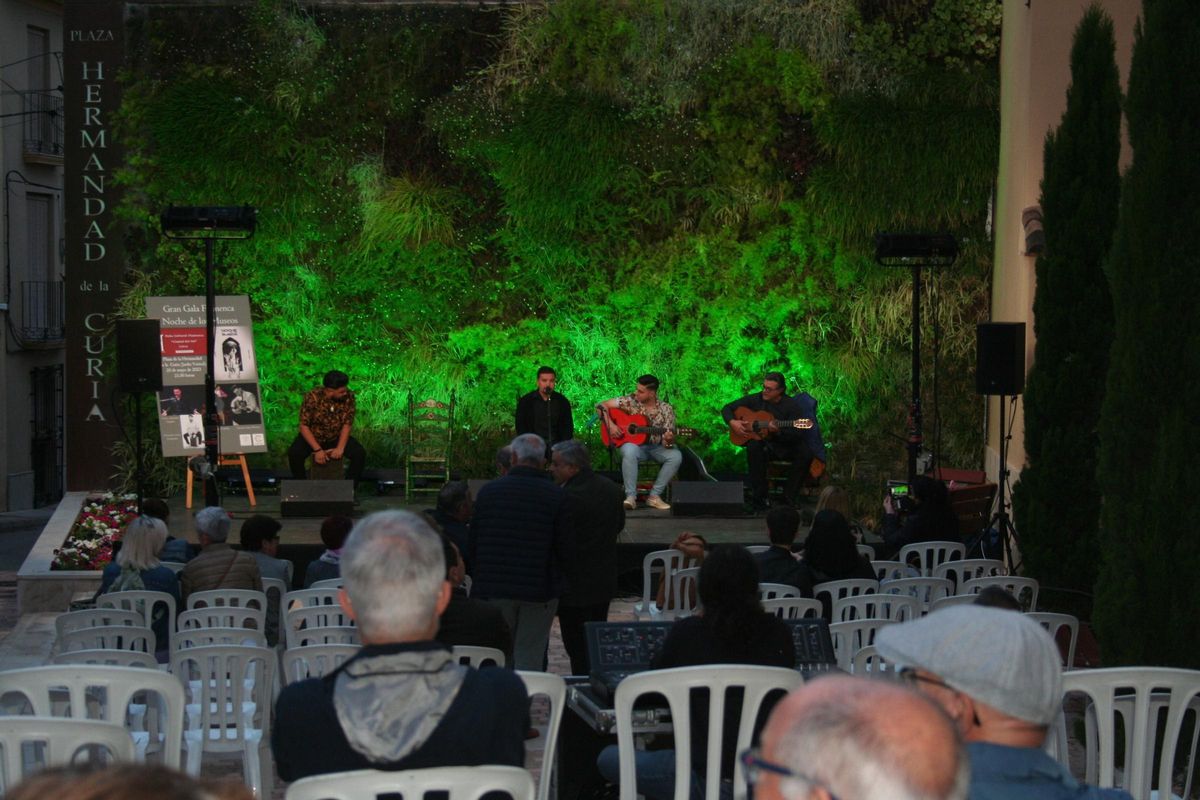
[(181, 402)]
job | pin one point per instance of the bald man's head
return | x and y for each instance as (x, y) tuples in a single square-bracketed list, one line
[(860, 739)]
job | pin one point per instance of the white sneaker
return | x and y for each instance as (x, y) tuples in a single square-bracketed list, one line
[(630, 502), (654, 501)]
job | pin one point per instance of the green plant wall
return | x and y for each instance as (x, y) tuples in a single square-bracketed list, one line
[(450, 196)]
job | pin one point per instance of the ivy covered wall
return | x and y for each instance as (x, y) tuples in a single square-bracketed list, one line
[(450, 196)]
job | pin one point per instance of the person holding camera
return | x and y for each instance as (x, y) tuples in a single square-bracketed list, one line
[(926, 517)]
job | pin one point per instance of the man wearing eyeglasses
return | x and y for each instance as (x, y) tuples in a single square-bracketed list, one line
[(997, 673)]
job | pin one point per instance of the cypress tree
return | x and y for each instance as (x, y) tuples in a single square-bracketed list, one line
[(1147, 608), (1056, 504)]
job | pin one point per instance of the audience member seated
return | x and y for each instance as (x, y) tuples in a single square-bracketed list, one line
[(178, 550), (453, 512), (731, 629), (218, 566), (830, 552), (467, 621), (260, 538), (931, 518), (334, 531), (403, 702), (998, 675), (137, 568), (125, 782), (778, 564), (858, 739)]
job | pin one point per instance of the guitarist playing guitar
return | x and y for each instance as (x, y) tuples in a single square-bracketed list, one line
[(774, 426), (643, 427)]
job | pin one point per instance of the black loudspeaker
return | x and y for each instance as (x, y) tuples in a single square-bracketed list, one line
[(316, 498), (139, 355), (707, 498), (1000, 358)]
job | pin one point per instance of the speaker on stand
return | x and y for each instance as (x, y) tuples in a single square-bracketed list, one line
[(1000, 371), (139, 369)]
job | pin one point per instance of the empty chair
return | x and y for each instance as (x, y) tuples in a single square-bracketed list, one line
[(324, 596), (109, 658), (222, 617), (230, 707), (926, 590), (108, 637), (554, 689), (94, 617), (1152, 703), (302, 623), (477, 657), (326, 583), (927, 555), (1024, 589), (238, 598), (315, 661), (457, 783), (774, 591), (153, 606), (275, 589), (868, 661), (850, 637), (1054, 623), (830, 591), (891, 570), (329, 634), (659, 565), (678, 685), (951, 600), (108, 694), (965, 569), (203, 637), (895, 607), (793, 607), (61, 740)]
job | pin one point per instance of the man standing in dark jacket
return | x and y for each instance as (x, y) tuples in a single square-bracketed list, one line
[(520, 545), (597, 519)]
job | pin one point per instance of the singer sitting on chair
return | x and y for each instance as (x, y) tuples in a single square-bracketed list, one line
[(326, 417)]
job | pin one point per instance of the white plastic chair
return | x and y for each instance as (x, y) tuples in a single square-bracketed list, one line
[(275, 589), (94, 617), (1053, 623), (204, 637), (755, 549), (1024, 589), (476, 656), (866, 551), (793, 607), (867, 661), (1152, 703), (663, 563), (677, 686), (895, 607), (174, 566), (459, 783), (237, 598), (341, 635), (891, 570), (64, 739), (230, 707), (775, 591), (315, 661), (146, 603), (248, 617), (307, 625), (967, 568), (926, 590), (554, 689), (313, 596), (929, 554), (107, 658), (328, 583), (84, 686), (108, 637), (687, 591), (951, 600), (850, 637), (850, 587)]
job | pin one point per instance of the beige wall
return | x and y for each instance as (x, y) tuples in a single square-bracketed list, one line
[(1035, 72)]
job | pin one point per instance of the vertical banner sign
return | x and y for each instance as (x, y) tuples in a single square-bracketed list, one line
[(93, 55), (181, 402)]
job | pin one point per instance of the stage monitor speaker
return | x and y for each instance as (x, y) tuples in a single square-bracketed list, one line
[(1000, 358), (707, 498), (139, 355), (299, 498)]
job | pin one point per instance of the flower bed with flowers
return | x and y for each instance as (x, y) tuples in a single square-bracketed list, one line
[(100, 522)]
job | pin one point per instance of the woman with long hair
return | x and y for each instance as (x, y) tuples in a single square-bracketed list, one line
[(137, 567)]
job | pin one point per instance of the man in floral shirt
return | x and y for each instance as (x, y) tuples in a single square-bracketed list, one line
[(326, 418), (659, 446)]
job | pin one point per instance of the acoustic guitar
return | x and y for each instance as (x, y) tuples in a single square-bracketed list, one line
[(636, 429), (763, 425)]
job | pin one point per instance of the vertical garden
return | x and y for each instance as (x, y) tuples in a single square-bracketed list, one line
[(450, 196)]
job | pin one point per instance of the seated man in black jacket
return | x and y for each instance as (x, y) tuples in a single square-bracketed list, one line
[(403, 702), (778, 565)]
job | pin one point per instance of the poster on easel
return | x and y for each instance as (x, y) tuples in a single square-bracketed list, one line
[(181, 402)]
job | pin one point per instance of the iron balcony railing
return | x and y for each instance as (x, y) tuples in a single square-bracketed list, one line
[(42, 311), (43, 113)]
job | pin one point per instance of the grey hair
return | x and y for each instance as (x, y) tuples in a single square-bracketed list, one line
[(141, 543), (529, 449), (573, 453), (393, 568), (838, 745), (214, 523)]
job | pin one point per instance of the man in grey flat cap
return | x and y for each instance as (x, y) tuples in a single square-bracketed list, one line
[(997, 674)]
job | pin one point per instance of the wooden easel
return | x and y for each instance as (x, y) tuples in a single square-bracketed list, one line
[(232, 460)]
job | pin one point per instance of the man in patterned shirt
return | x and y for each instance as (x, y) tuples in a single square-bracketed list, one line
[(326, 417), (659, 446)]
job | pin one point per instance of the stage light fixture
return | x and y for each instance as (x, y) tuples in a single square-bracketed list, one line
[(915, 249), (209, 222)]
